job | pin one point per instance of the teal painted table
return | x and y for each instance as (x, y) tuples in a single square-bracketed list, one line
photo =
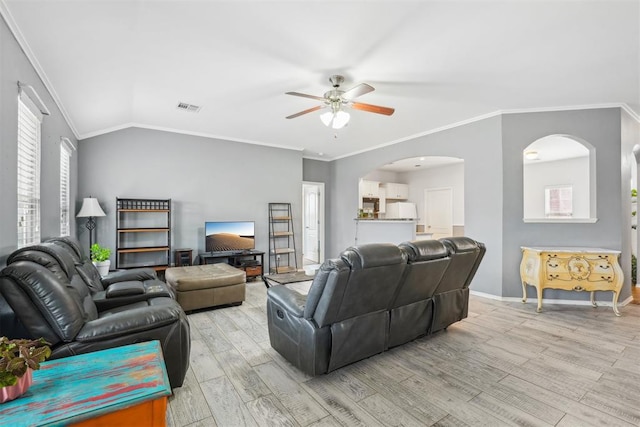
[(120, 386)]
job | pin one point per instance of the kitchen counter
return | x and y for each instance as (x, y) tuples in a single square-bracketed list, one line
[(385, 220), (424, 236), (373, 230)]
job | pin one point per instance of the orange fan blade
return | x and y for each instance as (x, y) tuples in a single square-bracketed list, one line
[(304, 95), (372, 108), (310, 110)]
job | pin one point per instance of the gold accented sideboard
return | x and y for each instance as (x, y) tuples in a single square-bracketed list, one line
[(571, 269)]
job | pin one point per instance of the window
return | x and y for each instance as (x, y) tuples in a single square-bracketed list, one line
[(558, 202), (28, 174), (65, 174)]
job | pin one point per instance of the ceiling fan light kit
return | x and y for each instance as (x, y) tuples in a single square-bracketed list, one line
[(336, 120), (338, 99)]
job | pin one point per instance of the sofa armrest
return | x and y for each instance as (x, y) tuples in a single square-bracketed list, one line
[(156, 288), (123, 289), (139, 274), (290, 300), (125, 322)]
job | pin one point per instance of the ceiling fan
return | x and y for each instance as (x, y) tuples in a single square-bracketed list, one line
[(338, 100)]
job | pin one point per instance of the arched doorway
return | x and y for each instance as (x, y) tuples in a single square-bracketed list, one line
[(430, 186)]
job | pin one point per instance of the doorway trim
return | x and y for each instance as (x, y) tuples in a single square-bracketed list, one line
[(321, 219)]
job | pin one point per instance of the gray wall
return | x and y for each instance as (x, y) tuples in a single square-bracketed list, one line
[(316, 170), (480, 145), (602, 129), (492, 152), (14, 67), (207, 180)]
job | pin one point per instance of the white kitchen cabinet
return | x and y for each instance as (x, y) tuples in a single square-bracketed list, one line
[(396, 191), (369, 189)]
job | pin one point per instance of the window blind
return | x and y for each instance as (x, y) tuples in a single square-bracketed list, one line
[(28, 176), (65, 160)]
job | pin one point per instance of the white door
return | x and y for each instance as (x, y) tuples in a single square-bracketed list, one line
[(311, 245), (438, 208)]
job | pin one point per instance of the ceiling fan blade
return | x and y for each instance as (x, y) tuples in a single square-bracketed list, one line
[(372, 108), (310, 110), (357, 91), (304, 95)]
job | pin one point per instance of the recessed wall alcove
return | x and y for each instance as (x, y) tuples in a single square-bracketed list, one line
[(559, 180)]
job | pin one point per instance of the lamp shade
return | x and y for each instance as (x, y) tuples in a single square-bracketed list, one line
[(90, 207)]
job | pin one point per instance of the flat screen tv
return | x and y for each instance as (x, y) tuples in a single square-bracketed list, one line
[(229, 236)]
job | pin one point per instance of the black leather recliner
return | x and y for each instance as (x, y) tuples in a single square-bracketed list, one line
[(345, 316), (412, 307), (374, 297), (117, 288), (451, 297), (53, 302)]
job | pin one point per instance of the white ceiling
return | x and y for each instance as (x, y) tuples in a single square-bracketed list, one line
[(115, 64)]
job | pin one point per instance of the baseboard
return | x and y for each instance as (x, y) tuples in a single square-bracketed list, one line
[(533, 300)]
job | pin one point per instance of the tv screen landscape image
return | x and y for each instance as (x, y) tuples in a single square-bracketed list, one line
[(224, 236)]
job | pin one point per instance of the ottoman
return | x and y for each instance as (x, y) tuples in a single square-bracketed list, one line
[(208, 285)]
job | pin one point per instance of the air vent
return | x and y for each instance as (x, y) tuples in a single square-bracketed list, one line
[(188, 107)]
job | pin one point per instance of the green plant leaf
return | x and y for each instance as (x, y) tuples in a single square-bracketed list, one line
[(99, 253), (7, 379), (17, 366), (18, 355)]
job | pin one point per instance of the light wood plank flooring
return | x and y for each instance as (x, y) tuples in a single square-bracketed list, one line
[(503, 365)]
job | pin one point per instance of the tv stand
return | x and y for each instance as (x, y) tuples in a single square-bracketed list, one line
[(245, 260)]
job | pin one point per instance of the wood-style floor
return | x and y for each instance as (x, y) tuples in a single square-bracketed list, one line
[(503, 365)]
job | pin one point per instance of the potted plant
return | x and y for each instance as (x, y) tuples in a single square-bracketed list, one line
[(18, 359), (100, 258)]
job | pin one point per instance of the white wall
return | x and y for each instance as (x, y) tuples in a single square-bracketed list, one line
[(537, 176), (451, 176)]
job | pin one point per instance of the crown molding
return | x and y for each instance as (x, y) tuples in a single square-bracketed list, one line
[(31, 57), (183, 132), (620, 105)]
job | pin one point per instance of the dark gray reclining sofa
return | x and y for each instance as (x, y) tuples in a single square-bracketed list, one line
[(51, 299), (372, 298)]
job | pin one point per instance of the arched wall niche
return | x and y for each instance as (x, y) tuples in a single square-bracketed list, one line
[(559, 180)]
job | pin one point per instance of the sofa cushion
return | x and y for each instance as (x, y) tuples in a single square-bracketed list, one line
[(424, 250), (49, 255)]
